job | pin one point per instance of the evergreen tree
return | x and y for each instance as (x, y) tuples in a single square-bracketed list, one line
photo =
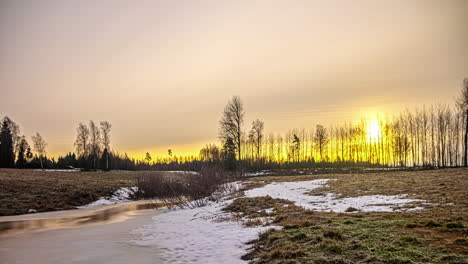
[(7, 157), (230, 155), (104, 161)]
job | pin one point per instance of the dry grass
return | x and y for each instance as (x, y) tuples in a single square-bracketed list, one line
[(437, 234), (184, 189), (21, 190), (445, 189)]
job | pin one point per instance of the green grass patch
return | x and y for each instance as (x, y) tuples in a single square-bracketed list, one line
[(344, 240)]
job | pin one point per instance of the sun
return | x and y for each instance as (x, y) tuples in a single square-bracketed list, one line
[(373, 131)]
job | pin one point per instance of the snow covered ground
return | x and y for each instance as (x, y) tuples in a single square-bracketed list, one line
[(296, 192), (200, 235), (122, 195)]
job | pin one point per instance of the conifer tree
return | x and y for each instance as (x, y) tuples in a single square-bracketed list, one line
[(7, 157)]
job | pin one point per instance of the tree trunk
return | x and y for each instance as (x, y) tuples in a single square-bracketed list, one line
[(466, 139)]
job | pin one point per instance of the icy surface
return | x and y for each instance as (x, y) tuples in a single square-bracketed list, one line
[(122, 195), (296, 192), (200, 235)]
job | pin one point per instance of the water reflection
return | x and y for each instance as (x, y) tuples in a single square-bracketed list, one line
[(74, 218)]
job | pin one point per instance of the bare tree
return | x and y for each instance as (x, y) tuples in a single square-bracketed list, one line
[(95, 142), (321, 139), (82, 140), (40, 147), (105, 130), (210, 153), (148, 158), (463, 107), (231, 123), (256, 133)]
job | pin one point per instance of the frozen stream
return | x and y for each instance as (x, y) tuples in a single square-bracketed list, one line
[(96, 243)]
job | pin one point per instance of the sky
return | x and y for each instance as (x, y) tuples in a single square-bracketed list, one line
[(161, 72)]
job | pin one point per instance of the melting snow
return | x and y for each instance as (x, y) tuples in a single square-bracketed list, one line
[(200, 235), (296, 192), (122, 195), (209, 235)]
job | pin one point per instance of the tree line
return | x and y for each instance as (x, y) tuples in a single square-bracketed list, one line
[(15, 151), (434, 136)]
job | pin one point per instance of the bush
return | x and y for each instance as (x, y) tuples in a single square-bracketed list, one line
[(183, 188)]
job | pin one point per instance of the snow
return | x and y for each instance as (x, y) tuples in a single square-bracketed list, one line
[(384, 169), (209, 235), (59, 170), (186, 172), (296, 192), (122, 195), (258, 173), (199, 235), (267, 211)]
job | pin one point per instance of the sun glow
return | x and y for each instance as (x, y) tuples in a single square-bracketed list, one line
[(373, 131)]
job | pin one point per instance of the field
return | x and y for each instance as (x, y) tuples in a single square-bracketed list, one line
[(437, 234), (432, 228), (22, 190)]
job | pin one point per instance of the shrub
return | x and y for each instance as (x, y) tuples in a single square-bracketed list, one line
[(455, 225), (184, 189)]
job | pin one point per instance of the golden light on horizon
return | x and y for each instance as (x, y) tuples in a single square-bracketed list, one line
[(373, 131), (161, 71)]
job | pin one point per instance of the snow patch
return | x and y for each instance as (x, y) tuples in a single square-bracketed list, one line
[(122, 195), (185, 172), (258, 173), (59, 170), (296, 192), (198, 235), (267, 211)]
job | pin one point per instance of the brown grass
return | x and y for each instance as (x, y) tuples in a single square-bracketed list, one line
[(21, 190), (437, 234), (445, 189)]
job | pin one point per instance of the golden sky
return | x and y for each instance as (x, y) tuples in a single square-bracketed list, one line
[(162, 71)]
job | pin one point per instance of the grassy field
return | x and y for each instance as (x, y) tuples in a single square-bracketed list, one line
[(437, 234), (21, 190)]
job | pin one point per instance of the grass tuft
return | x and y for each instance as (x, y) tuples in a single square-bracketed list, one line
[(351, 209)]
